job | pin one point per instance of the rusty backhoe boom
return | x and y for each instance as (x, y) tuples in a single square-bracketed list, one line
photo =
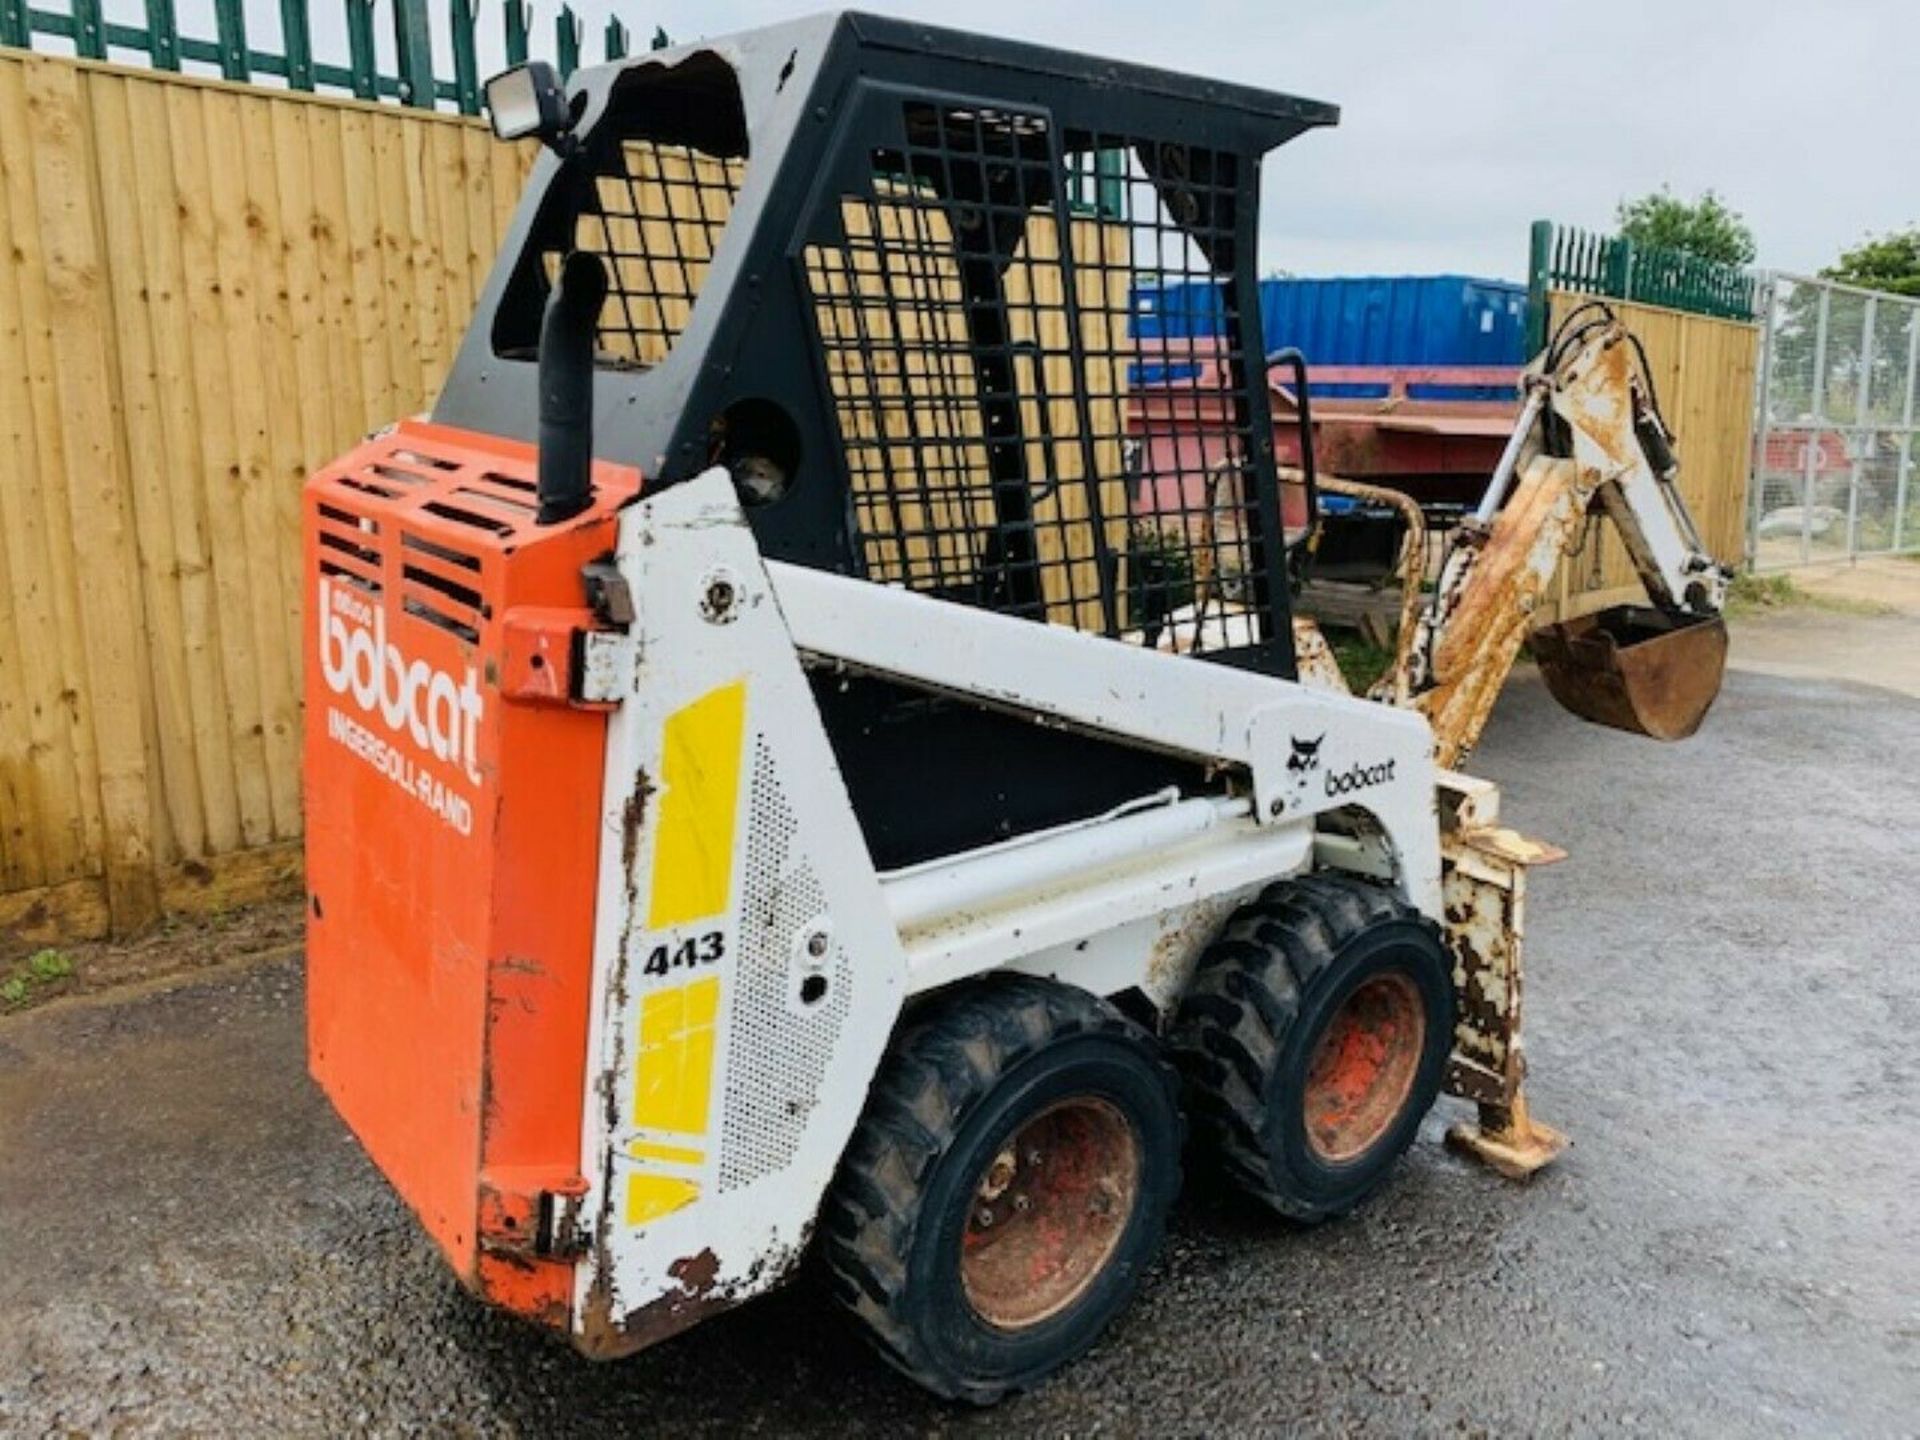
[(1590, 439)]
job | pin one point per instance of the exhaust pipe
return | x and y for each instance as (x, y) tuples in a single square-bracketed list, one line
[(567, 334)]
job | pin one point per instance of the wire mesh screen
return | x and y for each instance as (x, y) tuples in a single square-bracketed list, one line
[(1836, 469), (655, 220), (651, 193), (1008, 440)]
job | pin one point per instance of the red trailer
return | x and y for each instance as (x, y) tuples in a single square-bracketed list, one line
[(1430, 431)]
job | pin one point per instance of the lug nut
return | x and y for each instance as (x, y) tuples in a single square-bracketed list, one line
[(999, 1175)]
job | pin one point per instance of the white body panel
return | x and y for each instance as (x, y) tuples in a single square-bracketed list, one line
[(750, 963), (785, 1080)]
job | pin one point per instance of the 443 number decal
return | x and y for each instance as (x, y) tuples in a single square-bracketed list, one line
[(688, 953)]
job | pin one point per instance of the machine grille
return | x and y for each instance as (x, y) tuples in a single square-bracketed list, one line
[(779, 1044), (350, 549), (441, 585), (415, 519)]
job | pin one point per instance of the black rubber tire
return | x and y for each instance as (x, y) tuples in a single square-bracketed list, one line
[(959, 1080), (1261, 998)]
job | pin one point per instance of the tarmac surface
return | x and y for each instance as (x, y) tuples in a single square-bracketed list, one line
[(1723, 1004)]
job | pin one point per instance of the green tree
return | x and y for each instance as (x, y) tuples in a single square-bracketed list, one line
[(1705, 227), (1881, 262)]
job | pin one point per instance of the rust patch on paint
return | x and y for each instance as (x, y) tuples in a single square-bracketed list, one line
[(633, 819), (696, 1273)]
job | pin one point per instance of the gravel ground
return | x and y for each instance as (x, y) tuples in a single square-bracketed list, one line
[(1722, 1011)]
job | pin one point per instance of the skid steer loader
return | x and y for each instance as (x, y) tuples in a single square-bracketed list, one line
[(777, 784)]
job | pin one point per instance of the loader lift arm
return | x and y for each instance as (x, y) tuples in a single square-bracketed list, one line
[(1590, 439)]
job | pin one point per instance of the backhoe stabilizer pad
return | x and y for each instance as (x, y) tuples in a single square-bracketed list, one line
[(1508, 1141)]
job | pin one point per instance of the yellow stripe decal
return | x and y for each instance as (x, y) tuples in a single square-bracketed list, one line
[(673, 1074), (665, 1154), (651, 1196), (700, 775)]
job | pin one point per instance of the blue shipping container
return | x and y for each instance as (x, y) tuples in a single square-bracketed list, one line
[(1398, 320), (1358, 320)]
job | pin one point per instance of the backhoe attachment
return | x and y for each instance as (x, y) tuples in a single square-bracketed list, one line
[(1590, 439)]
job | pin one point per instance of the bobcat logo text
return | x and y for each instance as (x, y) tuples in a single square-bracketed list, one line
[(416, 701)]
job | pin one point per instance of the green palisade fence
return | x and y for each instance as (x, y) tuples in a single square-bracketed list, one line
[(1564, 258), (417, 82)]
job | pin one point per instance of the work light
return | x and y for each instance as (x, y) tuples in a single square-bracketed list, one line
[(528, 100)]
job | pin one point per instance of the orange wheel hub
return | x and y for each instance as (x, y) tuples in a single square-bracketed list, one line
[(1363, 1067), (1048, 1212)]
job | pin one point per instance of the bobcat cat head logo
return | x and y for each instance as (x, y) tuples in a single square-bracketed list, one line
[(1306, 755), (1302, 763)]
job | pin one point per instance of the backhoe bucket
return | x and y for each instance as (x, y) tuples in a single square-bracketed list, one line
[(1635, 668)]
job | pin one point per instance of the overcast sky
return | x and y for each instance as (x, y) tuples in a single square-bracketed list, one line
[(1463, 121)]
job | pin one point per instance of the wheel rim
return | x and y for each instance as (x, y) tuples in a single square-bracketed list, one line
[(1363, 1067), (1047, 1212)]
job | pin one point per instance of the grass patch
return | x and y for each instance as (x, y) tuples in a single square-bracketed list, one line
[(1769, 594), (178, 946), (1751, 594), (1360, 660), (30, 979)]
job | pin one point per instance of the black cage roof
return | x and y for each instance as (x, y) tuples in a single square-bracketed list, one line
[(883, 33), (1243, 116)]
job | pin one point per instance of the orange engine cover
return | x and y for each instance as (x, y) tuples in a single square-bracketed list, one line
[(452, 800)]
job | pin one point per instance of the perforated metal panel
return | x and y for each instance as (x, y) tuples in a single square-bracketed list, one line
[(779, 1041)]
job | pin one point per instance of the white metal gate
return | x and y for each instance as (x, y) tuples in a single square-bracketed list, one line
[(1834, 454)]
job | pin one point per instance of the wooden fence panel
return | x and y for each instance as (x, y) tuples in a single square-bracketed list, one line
[(1703, 369), (205, 291), (56, 769)]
